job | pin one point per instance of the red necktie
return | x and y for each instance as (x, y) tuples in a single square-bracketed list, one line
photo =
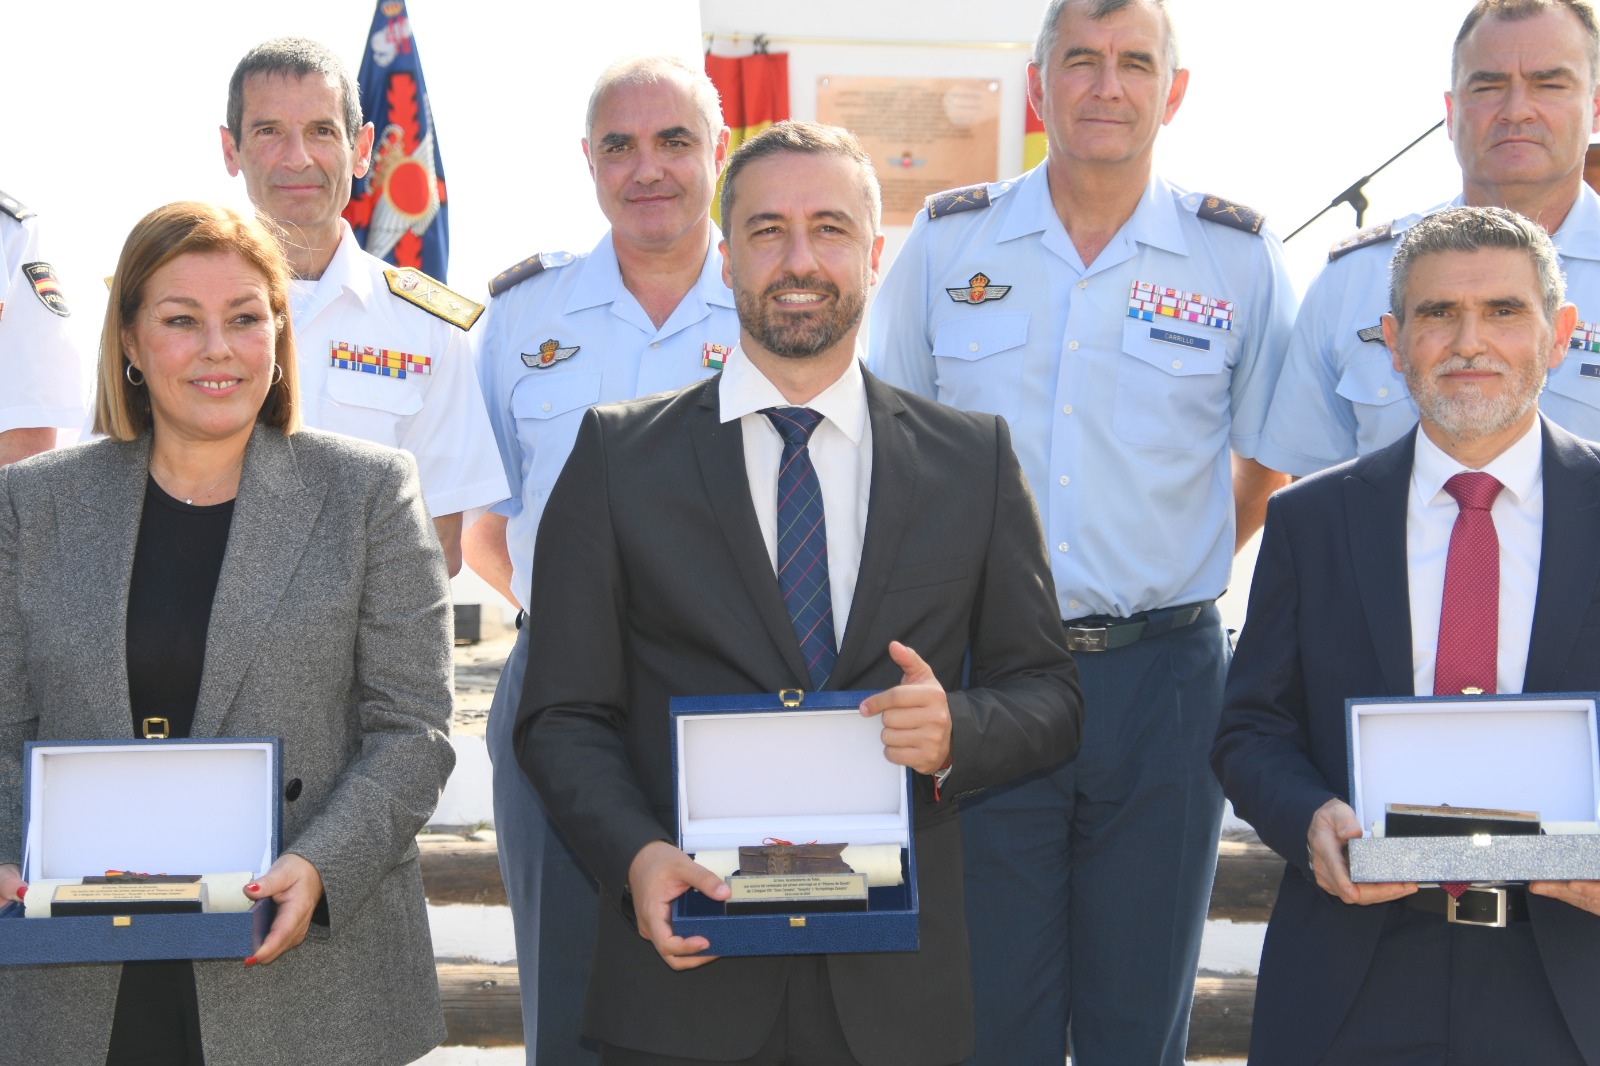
[(1469, 616)]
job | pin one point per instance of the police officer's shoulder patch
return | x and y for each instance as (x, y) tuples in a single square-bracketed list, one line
[(47, 286), (416, 288), (1227, 213), (530, 267), (955, 201), (1362, 239), (12, 206)]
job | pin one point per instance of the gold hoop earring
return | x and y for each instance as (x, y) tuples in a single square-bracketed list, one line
[(277, 373), (128, 372)]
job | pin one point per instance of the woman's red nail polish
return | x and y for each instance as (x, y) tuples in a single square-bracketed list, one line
[(22, 890), (252, 887), (251, 961)]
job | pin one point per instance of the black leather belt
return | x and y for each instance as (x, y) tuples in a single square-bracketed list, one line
[(1101, 632), (1492, 908)]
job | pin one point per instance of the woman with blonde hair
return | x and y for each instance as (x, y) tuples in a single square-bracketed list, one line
[(208, 570)]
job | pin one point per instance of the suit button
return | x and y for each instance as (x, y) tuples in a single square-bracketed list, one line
[(291, 791)]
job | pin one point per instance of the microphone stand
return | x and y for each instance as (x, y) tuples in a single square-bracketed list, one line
[(1354, 196)]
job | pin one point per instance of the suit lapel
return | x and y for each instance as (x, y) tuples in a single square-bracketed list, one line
[(1569, 557), (719, 447), (1375, 512), (272, 523), (98, 531), (894, 486)]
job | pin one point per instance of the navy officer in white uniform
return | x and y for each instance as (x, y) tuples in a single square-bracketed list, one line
[(1523, 102), (646, 311), (1131, 333), (295, 131)]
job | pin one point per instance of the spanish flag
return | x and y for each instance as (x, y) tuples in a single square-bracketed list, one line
[(755, 94), (1033, 138)]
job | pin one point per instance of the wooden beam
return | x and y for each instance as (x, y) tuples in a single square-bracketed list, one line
[(457, 869), (482, 1004)]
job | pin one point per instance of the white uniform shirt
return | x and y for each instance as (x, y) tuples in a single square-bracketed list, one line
[(40, 382), (1518, 514), (438, 416), (841, 453)]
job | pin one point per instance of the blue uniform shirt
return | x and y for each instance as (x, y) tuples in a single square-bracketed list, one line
[(1339, 395), (1123, 425), (605, 349)]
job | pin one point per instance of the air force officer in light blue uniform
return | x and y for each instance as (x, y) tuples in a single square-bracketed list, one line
[(644, 312), (1130, 332)]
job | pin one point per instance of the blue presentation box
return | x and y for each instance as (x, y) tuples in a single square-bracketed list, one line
[(1520, 752), (801, 767), (155, 806)]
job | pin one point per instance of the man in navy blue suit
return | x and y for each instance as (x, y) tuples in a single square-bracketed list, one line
[(1349, 599)]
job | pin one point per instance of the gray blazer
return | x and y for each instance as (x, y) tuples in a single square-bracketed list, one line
[(331, 629)]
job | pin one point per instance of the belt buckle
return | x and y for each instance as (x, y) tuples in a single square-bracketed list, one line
[(155, 728), (1499, 922), (1088, 638)]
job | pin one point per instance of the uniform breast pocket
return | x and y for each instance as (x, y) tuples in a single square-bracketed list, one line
[(1172, 385), (368, 405), (1372, 383), (540, 401), (979, 362), (1572, 396)]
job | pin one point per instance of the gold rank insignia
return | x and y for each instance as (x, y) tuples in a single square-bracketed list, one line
[(415, 287), (955, 201), (549, 354), (1361, 239), (1227, 213), (977, 290)]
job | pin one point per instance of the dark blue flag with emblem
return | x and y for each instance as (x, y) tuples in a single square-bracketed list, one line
[(398, 210)]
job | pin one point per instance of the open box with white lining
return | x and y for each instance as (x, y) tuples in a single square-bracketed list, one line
[(207, 807), (800, 767), (1537, 753)]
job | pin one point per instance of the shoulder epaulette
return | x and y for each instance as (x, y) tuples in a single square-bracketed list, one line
[(530, 267), (1228, 213), (13, 207), (1361, 239), (955, 201), (415, 287)]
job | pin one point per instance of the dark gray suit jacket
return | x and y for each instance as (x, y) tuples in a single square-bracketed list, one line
[(652, 580), (1330, 619), (330, 629)]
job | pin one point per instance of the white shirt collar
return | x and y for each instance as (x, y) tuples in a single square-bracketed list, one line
[(344, 270), (1517, 468), (744, 390)]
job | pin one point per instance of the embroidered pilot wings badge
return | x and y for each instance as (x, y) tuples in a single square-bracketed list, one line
[(549, 354), (977, 290)]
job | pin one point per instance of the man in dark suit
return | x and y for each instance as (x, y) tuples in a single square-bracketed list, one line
[(664, 568), (1365, 587)]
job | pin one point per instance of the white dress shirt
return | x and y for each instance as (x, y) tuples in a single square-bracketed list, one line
[(841, 452), (1518, 514)]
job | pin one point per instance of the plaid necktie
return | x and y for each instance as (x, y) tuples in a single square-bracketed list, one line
[(1469, 615), (803, 542)]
